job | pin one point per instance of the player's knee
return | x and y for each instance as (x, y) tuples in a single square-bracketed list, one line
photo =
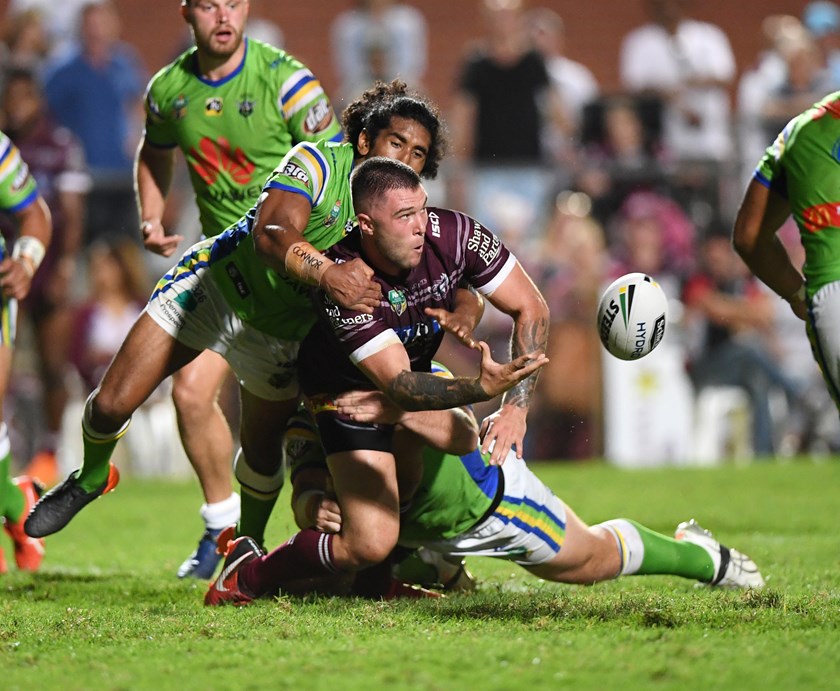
[(190, 399), (364, 556)]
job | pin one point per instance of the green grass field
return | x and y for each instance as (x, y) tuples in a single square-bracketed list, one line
[(107, 612)]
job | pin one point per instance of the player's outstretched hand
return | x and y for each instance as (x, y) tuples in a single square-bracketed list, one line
[(372, 407), (350, 285), (156, 240), (496, 378), (502, 430), (459, 325)]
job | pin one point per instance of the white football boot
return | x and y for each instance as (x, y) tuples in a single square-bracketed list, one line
[(732, 568)]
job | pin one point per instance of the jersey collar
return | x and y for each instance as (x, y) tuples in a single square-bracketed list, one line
[(223, 80)]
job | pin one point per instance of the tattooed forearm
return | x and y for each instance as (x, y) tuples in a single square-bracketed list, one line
[(423, 391), (528, 336)]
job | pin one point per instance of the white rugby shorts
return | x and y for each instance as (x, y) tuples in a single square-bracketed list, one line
[(528, 527), (191, 309)]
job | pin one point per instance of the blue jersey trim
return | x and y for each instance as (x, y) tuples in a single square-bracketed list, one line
[(486, 477), (20, 206), (303, 81), (761, 179), (223, 80), (273, 184), (8, 152)]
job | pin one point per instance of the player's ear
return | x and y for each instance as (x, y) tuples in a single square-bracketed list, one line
[(363, 143), (365, 223), (185, 10)]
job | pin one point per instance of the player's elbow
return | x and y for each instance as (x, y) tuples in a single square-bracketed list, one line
[(745, 238), (463, 444)]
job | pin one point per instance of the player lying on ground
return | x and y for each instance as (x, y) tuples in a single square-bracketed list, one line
[(464, 506), (240, 295), (419, 257)]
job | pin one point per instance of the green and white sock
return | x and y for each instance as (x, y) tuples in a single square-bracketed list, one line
[(646, 552), (98, 448), (258, 494)]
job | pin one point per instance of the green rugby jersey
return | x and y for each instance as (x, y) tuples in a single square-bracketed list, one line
[(261, 297), (17, 186), (454, 494), (803, 165), (234, 131)]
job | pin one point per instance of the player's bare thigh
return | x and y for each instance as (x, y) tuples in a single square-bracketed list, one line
[(365, 484)]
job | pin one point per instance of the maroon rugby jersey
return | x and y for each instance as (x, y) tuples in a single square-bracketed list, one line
[(458, 249)]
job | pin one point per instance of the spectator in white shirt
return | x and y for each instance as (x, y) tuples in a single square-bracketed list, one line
[(691, 66)]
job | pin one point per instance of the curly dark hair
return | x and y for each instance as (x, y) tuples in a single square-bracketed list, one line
[(372, 112)]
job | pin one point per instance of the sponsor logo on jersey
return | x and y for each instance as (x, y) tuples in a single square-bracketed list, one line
[(409, 334), (435, 221), (214, 106), (821, 216), (318, 117), (295, 171), (179, 107), (485, 244), (397, 300), (213, 157), (348, 226), (21, 178), (238, 280), (246, 107), (333, 217)]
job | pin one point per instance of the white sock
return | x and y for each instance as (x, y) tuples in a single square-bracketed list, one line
[(5, 443), (629, 544), (221, 514)]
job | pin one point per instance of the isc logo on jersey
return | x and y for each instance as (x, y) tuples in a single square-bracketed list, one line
[(434, 219)]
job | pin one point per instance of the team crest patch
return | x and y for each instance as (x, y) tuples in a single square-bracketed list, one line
[(246, 107), (179, 107), (397, 300), (333, 217), (213, 106)]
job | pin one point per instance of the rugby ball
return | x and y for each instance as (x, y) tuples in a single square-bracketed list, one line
[(632, 315)]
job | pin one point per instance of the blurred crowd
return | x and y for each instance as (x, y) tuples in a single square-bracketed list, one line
[(583, 184)]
